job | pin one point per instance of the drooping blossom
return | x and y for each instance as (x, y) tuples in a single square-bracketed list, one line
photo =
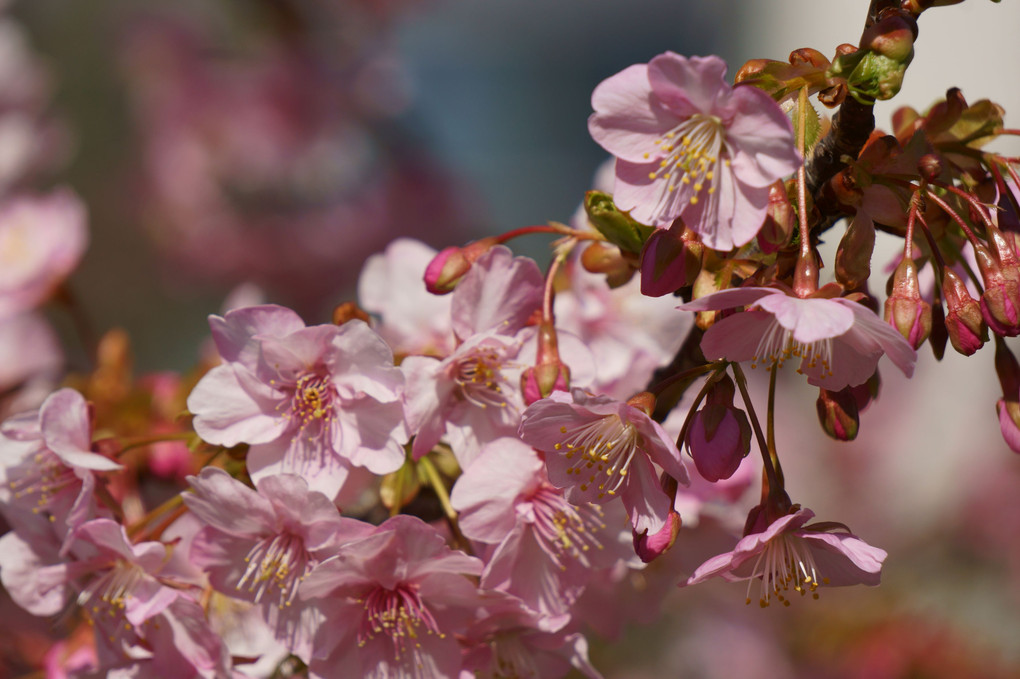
[(311, 400), (788, 555), (838, 342), (689, 145), (545, 548), (49, 469), (393, 602), (42, 239), (258, 545), (598, 448)]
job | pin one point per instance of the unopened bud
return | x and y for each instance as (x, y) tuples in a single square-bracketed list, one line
[(670, 260), (644, 401), (538, 382), (719, 435), (1009, 423), (617, 226), (892, 37), (964, 322), (1000, 302), (451, 264), (853, 258), (780, 220), (549, 373), (348, 311), (838, 413), (651, 547), (904, 309), (602, 258), (930, 167)]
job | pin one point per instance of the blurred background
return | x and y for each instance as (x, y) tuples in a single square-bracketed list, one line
[(278, 143)]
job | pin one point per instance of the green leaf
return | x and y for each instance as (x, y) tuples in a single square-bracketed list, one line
[(617, 226)]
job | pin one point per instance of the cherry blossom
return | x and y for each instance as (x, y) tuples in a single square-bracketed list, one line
[(310, 400), (689, 145), (393, 601), (789, 555), (837, 341), (598, 448)]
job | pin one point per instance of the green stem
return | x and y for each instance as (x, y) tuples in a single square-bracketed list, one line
[(775, 483)]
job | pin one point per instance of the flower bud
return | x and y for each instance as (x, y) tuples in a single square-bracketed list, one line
[(451, 264), (650, 547), (719, 435), (538, 382), (616, 225), (838, 413), (930, 167), (780, 220), (549, 373), (1000, 303), (348, 311), (670, 260), (904, 309), (964, 322), (892, 37), (853, 258), (602, 258), (1008, 371)]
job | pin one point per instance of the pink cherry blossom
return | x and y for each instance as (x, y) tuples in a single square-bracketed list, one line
[(598, 448), (411, 319), (788, 555), (49, 467), (545, 547), (310, 400), (837, 341), (393, 601), (259, 545), (629, 334), (508, 642), (689, 145), (42, 239)]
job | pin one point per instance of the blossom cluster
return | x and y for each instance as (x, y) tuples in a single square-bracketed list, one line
[(467, 469)]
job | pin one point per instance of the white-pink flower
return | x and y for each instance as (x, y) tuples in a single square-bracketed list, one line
[(42, 239), (838, 342), (689, 145), (310, 401), (598, 448), (546, 548), (393, 602), (788, 555), (258, 545)]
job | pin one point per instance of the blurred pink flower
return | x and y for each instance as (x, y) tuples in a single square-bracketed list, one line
[(42, 239), (689, 145)]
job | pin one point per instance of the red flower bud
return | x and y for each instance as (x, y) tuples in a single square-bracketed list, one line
[(670, 260), (966, 326), (450, 265), (905, 310), (838, 413)]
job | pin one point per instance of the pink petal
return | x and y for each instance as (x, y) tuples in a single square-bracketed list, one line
[(688, 86), (627, 121), (809, 319)]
